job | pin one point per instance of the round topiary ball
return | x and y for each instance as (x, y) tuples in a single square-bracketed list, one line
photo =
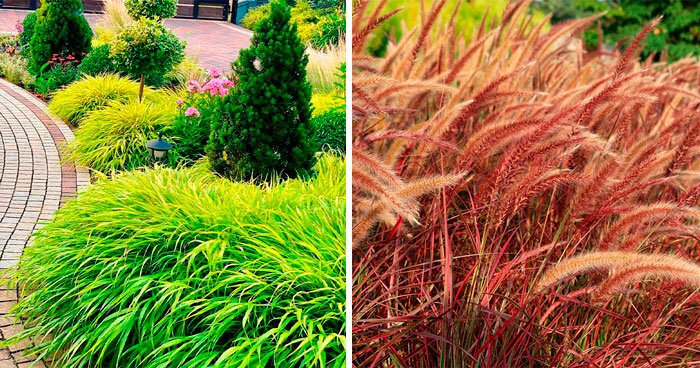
[(151, 9)]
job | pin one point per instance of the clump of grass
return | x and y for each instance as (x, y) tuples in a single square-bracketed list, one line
[(114, 19), (322, 69), (179, 268), (478, 166), (114, 138), (77, 99)]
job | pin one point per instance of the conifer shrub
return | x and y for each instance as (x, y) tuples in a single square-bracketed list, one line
[(266, 127), (180, 268), (60, 28)]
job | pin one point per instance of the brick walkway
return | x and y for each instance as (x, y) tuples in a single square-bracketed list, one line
[(32, 187), (215, 44)]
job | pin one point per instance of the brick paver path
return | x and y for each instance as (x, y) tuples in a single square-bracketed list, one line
[(214, 43), (32, 187)]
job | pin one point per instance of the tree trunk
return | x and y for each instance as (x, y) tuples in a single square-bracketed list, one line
[(143, 80)]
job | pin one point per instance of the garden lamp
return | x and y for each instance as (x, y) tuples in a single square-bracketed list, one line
[(159, 147)]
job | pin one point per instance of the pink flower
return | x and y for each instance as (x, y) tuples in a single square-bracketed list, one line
[(227, 83), (19, 27), (179, 101), (215, 72), (191, 111), (194, 86), (217, 86)]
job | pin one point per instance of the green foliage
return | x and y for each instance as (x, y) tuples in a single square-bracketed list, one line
[(325, 102), (329, 31), (14, 69), (329, 129), (151, 9), (56, 73), (678, 34), (255, 15), (191, 133), (60, 28), (146, 48), (179, 268), (266, 127), (92, 93), (8, 43), (468, 18), (97, 61), (303, 15), (27, 32), (115, 137), (328, 6)]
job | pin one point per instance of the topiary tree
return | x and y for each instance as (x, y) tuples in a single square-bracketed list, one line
[(146, 47), (266, 128), (60, 28), (151, 9)]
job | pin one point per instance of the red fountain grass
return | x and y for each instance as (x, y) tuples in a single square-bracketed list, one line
[(488, 175)]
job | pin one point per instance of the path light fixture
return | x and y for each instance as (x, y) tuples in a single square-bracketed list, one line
[(159, 148)]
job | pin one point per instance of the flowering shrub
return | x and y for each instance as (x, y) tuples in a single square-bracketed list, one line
[(59, 71), (198, 109)]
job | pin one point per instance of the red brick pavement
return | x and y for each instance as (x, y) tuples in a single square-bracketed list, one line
[(215, 43)]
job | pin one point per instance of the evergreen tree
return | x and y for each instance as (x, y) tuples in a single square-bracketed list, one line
[(60, 28), (266, 127)]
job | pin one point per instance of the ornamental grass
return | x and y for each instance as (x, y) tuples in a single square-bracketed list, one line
[(180, 268), (519, 201)]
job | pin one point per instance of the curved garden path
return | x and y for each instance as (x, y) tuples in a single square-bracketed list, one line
[(32, 187)]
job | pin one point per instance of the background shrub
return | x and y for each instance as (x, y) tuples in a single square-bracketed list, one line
[(115, 137), (178, 268), (191, 133), (329, 31), (26, 35), (98, 61), (302, 14), (266, 127), (329, 130), (146, 47), (60, 28), (91, 93), (677, 36), (151, 9), (467, 19)]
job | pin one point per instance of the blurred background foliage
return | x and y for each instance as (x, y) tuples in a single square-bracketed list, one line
[(677, 36), (468, 18)]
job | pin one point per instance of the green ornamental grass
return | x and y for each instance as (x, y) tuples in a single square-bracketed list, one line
[(180, 268), (114, 138), (92, 93)]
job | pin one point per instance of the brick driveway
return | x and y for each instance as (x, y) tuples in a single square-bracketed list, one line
[(215, 43), (32, 187)]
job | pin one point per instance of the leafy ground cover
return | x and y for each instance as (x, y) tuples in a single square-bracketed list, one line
[(519, 200)]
